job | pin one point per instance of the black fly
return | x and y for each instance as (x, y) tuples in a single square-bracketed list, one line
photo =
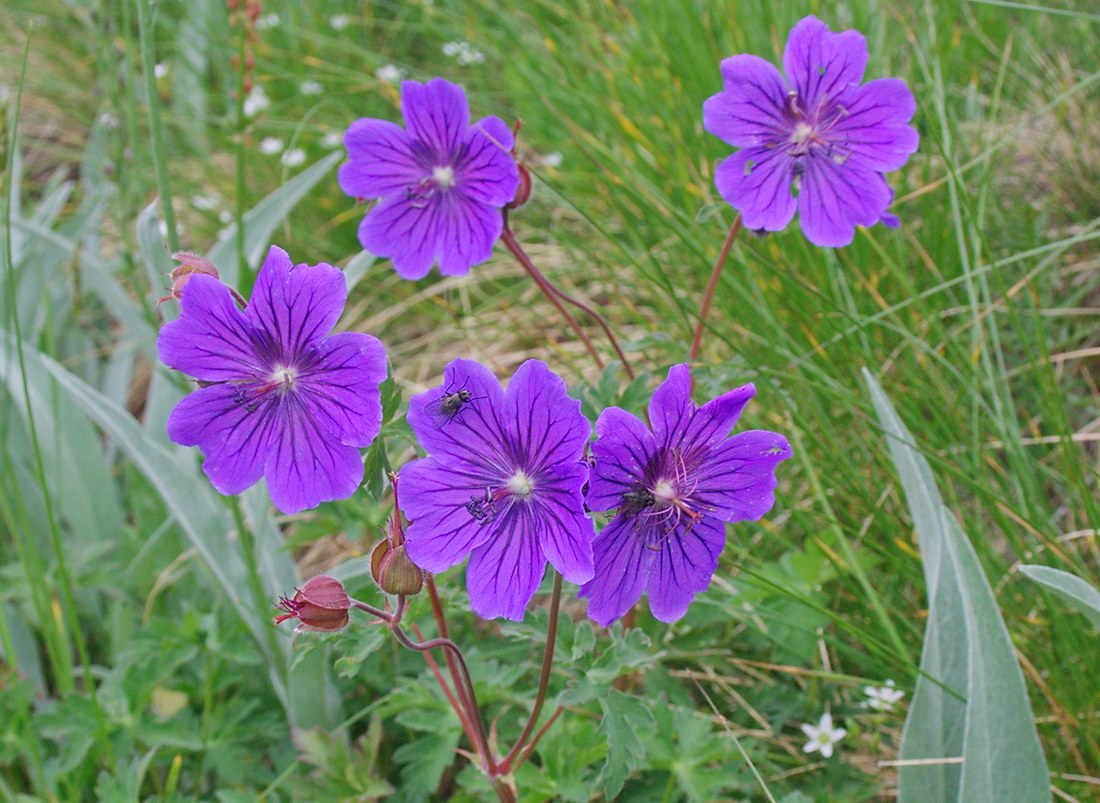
[(637, 499), (446, 407)]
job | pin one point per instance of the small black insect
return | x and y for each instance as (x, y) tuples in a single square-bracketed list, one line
[(447, 407), (637, 499)]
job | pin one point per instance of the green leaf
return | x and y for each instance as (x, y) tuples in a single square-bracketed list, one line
[(624, 717), (1070, 588), (970, 701)]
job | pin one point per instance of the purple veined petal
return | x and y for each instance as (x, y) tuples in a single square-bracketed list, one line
[(306, 464), (405, 231), (382, 161), (836, 197), (752, 107), (737, 478), (342, 386), (477, 433), (757, 183), (623, 448), (504, 572), (671, 409), (467, 231), (434, 497), (487, 172), (713, 421), (436, 114), (548, 425), (874, 127), (212, 340), (821, 65), (622, 568), (889, 220), (234, 439), (295, 306), (564, 532), (683, 564)]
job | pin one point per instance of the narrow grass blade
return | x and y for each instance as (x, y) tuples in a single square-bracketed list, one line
[(967, 654), (1070, 588)]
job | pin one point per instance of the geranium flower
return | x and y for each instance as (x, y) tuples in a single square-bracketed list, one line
[(819, 141), (822, 736), (674, 487), (277, 399), (442, 182), (502, 484)]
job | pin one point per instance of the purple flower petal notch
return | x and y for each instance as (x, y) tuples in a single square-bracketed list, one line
[(277, 398), (674, 487), (818, 142), (502, 483), (441, 181)]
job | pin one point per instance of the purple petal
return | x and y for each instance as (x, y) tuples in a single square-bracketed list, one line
[(623, 448), (682, 567), (564, 532), (713, 421), (820, 65), (622, 567), (434, 498), (403, 230), (476, 435), (548, 425), (212, 339), (295, 306), (671, 408), (751, 108), (737, 478), (436, 113), (382, 161), (234, 440), (342, 386), (875, 125), (504, 572), (466, 231), (307, 464), (757, 183), (835, 197), (487, 172)]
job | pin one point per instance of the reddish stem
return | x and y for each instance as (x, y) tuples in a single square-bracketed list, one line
[(712, 285), (459, 709), (531, 747)]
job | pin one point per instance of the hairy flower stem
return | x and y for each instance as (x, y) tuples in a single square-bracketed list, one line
[(472, 711), (712, 285), (544, 677), (548, 290)]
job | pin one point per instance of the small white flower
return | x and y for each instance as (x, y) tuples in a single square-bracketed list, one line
[(256, 101), (333, 139), (463, 53), (471, 57), (160, 70), (266, 21), (225, 216), (271, 145), (881, 698), (339, 21), (311, 87), (552, 159), (822, 736), (453, 48), (389, 74), (205, 203), (107, 119), (293, 157)]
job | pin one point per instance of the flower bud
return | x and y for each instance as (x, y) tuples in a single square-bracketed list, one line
[(191, 264), (321, 604), (523, 190), (394, 570)]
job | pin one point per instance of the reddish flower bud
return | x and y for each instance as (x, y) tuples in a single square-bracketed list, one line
[(321, 604), (523, 191), (394, 570), (191, 264)]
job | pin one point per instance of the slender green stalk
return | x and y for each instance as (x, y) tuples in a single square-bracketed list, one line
[(255, 584), (160, 159)]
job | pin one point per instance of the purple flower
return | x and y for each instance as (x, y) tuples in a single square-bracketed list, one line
[(674, 488), (442, 182), (502, 483), (277, 399), (819, 141)]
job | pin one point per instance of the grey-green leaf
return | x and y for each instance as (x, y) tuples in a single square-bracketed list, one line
[(1070, 588), (970, 701)]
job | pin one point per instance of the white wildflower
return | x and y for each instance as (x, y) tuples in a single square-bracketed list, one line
[(311, 87), (265, 21), (271, 145), (822, 736), (552, 159), (389, 74), (293, 157), (463, 53), (333, 139), (881, 698), (160, 70), (255, 102), (339, 21)]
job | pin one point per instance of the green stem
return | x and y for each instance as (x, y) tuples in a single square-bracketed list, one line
[(160, 162), (255, 584)]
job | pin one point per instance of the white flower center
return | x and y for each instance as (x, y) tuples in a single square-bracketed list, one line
[(444, 177), (283, 378), (664, 490), (801, 133), (519, 484)]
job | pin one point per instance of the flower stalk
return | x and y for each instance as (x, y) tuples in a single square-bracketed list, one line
[(712, 286)]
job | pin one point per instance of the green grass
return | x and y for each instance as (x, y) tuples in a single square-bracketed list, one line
[(966, 315)]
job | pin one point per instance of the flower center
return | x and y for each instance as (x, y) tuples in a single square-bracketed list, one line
[(519, 484), (283, 379), (801, 132), (443, 176), (664, 490)]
